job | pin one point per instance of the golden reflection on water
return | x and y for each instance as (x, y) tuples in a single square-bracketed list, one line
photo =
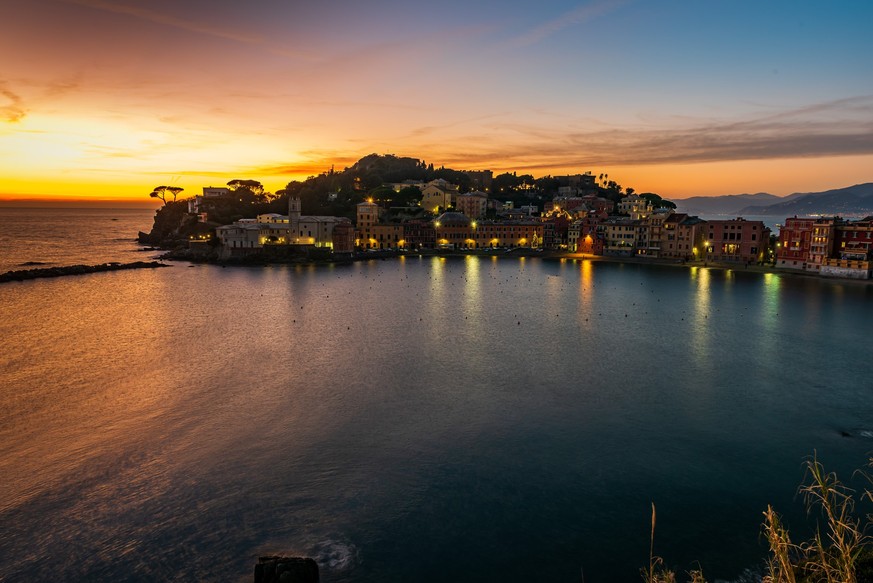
[(472, 289), (586, 289), (111, 393), (555, 285), (770, 314), (700, 330)]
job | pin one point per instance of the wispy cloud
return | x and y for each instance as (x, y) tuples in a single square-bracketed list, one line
[(837, 128), (317, 161), (166, 19), (577, 16), (11, 105), (423, 131), (187, 25)]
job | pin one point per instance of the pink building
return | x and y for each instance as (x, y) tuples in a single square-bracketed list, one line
[(737, 240)]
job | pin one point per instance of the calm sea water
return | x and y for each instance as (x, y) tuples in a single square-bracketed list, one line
[(418, 420), (53, 237)]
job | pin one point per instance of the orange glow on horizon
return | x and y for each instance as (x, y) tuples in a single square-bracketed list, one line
[(50, 157)]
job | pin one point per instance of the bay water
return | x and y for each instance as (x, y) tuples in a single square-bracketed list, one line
[(417, 419)]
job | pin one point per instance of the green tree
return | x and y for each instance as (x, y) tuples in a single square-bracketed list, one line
[(383, 194), (247, 191), (657, 202), (408, 196)]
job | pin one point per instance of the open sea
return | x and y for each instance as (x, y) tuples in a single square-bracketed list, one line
[(418, 419)]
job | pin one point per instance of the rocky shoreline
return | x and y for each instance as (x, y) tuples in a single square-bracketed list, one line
[(27, 274)]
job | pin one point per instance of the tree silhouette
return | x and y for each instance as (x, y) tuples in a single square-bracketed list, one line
[(162, 192), (253, 186)]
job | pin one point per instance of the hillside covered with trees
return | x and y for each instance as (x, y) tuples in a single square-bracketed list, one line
[(335, 193)]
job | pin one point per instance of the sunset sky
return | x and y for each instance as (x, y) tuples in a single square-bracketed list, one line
[(109, 98)]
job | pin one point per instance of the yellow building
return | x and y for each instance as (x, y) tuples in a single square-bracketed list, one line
[(438, 196)]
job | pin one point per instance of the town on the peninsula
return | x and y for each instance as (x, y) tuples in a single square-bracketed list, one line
[(388, 205)]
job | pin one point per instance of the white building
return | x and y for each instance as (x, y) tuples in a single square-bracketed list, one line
[(275, 229), (195, 204)]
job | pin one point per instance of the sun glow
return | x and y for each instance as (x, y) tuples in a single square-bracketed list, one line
[(53, 156)]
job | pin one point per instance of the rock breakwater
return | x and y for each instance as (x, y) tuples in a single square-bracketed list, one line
[(25, 274)]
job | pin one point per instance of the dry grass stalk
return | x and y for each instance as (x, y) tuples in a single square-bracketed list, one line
[(781, 569), (833, 558), (656, 573)]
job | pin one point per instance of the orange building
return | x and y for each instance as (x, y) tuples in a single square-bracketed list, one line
[(456, 231)]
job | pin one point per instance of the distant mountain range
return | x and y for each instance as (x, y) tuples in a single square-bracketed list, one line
[(854, 200)]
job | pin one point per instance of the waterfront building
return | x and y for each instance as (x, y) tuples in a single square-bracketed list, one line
[(269, 230), (556, 225), (620, 236), (823, 234), (454, 230), (240, 237), (419, 234), (829, 246), (854, 237), (737, 240), (344, 238), (510, 233), (851, 250), (367, 216), (574, 231), (795, 244), (584, 236), (652, 233), (691, 236), (683, 237), (383, 236), (669, 244), (313, 230)]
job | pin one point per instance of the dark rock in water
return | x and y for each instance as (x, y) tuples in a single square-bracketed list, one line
[(286, 570), (25, 274), (29, 263)]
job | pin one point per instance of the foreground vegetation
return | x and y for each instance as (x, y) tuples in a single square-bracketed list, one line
[(840, 551)]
